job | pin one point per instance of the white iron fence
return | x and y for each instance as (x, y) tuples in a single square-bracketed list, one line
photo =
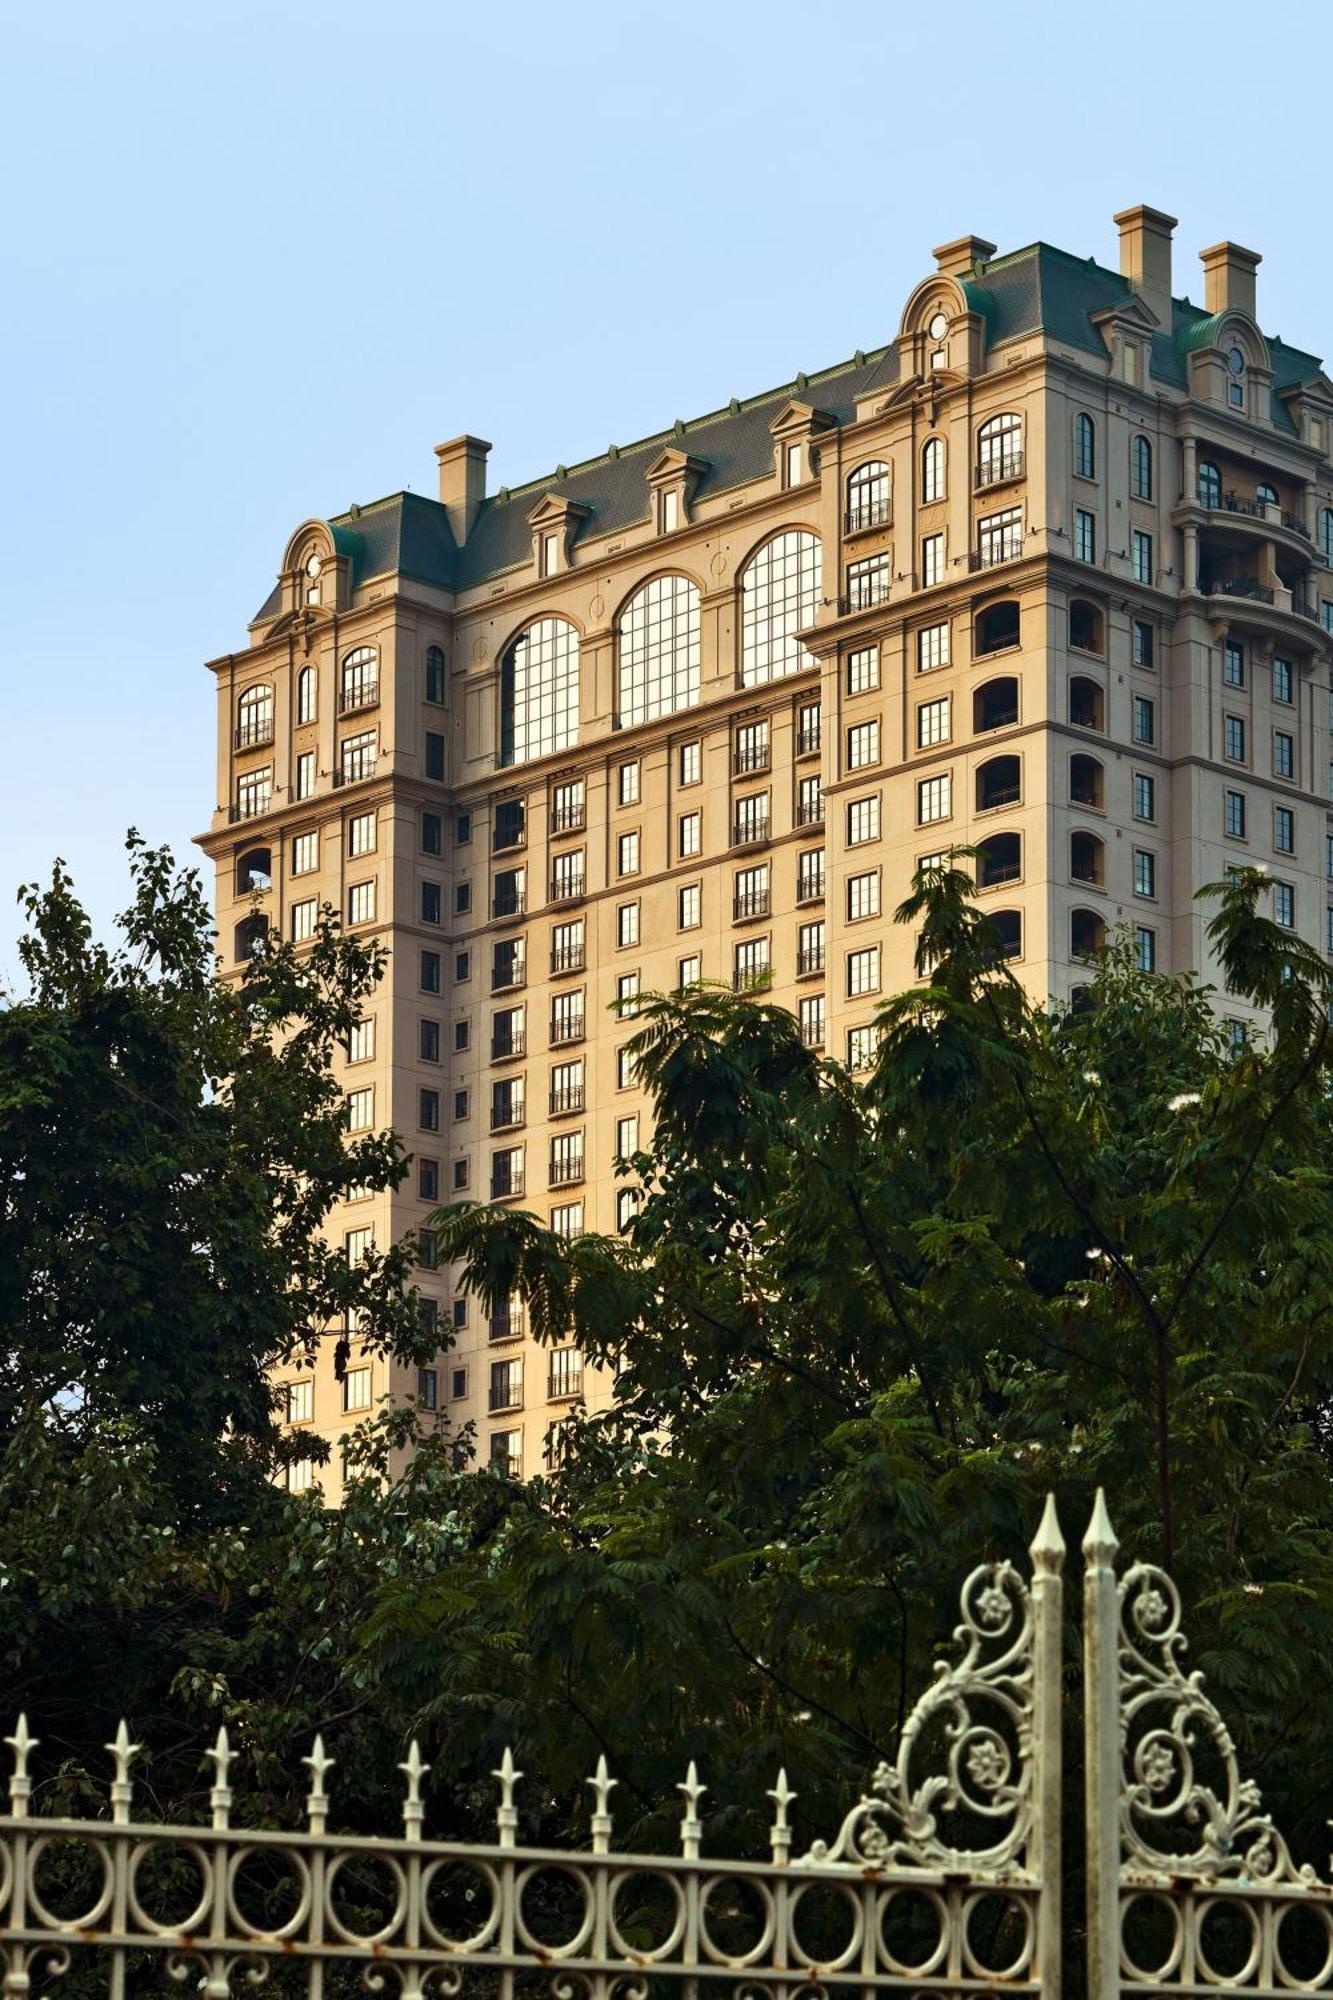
[(943, 1880)]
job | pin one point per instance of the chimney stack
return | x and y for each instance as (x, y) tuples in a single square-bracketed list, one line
[(1145, 257), (963, 256), (462, 482), (1228, 277)]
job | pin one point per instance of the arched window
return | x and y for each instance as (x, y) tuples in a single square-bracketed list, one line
[(1266, 495), (999, 783), (779, 596), (999, 449), (868, 495), (1236, 373), (539, 691), (999, 859), (1087, 782), (307, 694), (995, 704), (1085, 446), (1007, 930), (997, 626), (1087, 703), (254, 871), (435, 673), (1086, 626), (1087, 858), (1087, 933), (1326, 533), (250, 935), (254, 717), (657, 651), (932, 469), (360, 683), (1210, 484), (1140, 468)]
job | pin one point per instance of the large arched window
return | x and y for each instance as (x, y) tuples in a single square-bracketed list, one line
[(254, 717), (1085, 446), (1210, 484), (307, 694), (360, 683), (657, 650), (1326, 534), (539, 691), (868, 495), (1266, 494), (779, 596), (932, 469), (999, 449), (1140, 468)]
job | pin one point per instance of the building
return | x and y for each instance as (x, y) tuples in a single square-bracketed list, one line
[(1051, 572)]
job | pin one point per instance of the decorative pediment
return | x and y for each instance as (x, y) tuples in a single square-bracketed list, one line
[(554, 508), (1130, 313), (672, 465), (798, 419), (555, 521), (316, 575)]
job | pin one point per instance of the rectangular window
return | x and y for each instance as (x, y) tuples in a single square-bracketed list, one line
[(253, 793), (1143, 643), (863, 670), (863, 972), (1284, 905), (810, 875), (934, 799), (304, 916), (432, 903), (361, 903), (432, 833), (670, 510), (1233, 738), (462, 966), (564, 1375), (507, 1172), (567, 1018), (627, 1137), (1234, 815), (305, 853), (567, 875), (1144, 719), (357, 757), (430, 971), (1141, 552), (863, 820), (627, 995), (688, 914), (861, 1044), (810, 802), (361, 1041), (434, 755), (810, 949), (361, 1109), (751, 818), (1145, 873), (305, 775), (750, 892), (627, 784), (689, 971), (1233, 664), (550, 554), (932, 561), (751, 964), (1085, 535), (792, 468), (565, 1165), (430, 1041), (356, 1389), (1328, 856), (809, 728), (1282, 680), (1145, 948), (462, 1035), (627, 924), (567, 947), (932, 647), (1145, 796), (691, 763), (428, 1110), (506, 1391), (811, 1015), (932, 723), (868, 581), (751, 751), (1000, 537), (567, 1087), (689, 835), (1284, 830), (428, 1179), (1284, 754), (361, 834), (358, 1244), (862, 896), (300, 1401), (862, 745)]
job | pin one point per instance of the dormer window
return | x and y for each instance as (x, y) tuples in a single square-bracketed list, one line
[(793, 465), (312, 574), (669, 511), (1236, 385), (549, 554)]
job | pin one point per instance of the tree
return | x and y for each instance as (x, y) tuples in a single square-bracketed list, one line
[(859, 1326)]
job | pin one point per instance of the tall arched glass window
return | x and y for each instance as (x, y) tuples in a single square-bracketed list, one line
[(307, 694), (1085, 446), (779, 596), (1140, 468), (999, 448), (1210, 484), (657, 651), (1266, 494), (360, 685), (1326, 534), (254, 717), (539, 691), (868, 495), (932, 469)]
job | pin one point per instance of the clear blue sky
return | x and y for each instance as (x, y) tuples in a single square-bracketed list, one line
[(259, 259)]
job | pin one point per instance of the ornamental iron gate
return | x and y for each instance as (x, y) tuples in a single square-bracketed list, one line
[(943, 1880)]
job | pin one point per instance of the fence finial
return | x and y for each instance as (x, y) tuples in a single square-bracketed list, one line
[(317, 1799), (691, 1827), (1047, 1547), (1100, 1546), (780, 1832), (122, 1790), (20, 1785), (506, 1816), (413, 1810), (222, 1757), (603, 1784)]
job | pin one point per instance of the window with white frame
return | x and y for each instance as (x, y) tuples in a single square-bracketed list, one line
[(657, 650), (934, 799), (539, 691), (863, 670), (863, 971), (933, 723), (932, 561), (863, 820), (863, 896), (305, 915), (779, 597), (361, 1041), (305, 853), (863, 745), (358, 1244), (627, 925), (361, 1109), (932, 647), (301, 1401), (689, 841), (361, 903), (627, 854), (688, 914)]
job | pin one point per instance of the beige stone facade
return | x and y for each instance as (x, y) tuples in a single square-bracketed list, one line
[(1048, 573)]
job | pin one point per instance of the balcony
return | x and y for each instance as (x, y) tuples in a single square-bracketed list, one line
[(569, 887), (250, 806), (809, 740), (569, 819), (568, 958), (750, 977), (996, 471), (505, 1186), (505, 1396), (750, 757), (365, 694), (865, 594), (509, 1323), (566, 1029), (810, 812), (513, 1044), (752, 831), (253, 735), (810, 886), (812, 1034), (870, 514), (566, 1173), (564, 1384), (564, 1101), (505, 1117), (756, 903), (506, 838), (509, 903), (355, 774), (810, 962), (1001, 551), (504, 978)]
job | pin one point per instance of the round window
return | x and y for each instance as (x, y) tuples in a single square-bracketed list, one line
[(939, 326), (1235, 361)]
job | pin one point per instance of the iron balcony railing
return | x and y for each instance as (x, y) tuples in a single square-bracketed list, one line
[(994, 472), (568, 819), (868, 514), (810, 812), (508, 1323), (564, 1382), (809, 740), (756, 903), (568, 958), (569, 887), (812, 1034), (810, 961), (505, 1396), (810, 886), (1085, 795), (504, 978), (505, 838), (993, 873), (865, 593), (999, 795), (565, 1029), (254, 735), (750, 757), (997, 718), (1241, 586), (566, 1172), (1261, 510), (509, 903), (364, 695), (250, 806), (505, 1185), (746, 979), (751, 831), (355, 774), (505, 1116), (567, 1100), (513, 1044)]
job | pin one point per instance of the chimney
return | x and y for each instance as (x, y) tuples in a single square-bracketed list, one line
[(1228, 277), (963, 256), (462, 482), (1145, 256)]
